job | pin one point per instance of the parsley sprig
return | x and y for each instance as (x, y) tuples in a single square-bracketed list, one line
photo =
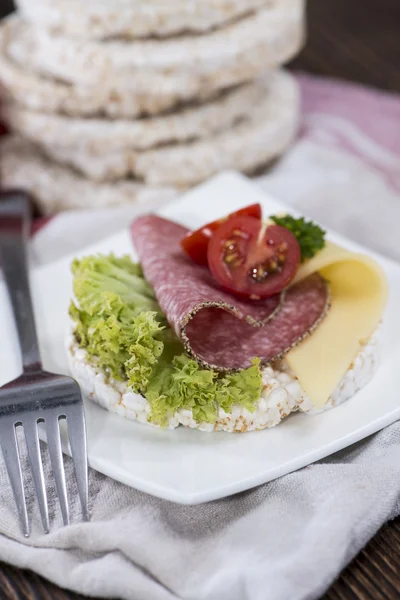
[(310, 236)]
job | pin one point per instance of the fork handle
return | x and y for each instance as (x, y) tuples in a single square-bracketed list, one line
[(15, 217)]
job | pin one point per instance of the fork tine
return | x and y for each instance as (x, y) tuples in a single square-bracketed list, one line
[(35, 459), (54, 446), (9, 446), (77, 439)]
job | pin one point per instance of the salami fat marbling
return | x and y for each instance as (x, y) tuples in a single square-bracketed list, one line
[(218, 329)]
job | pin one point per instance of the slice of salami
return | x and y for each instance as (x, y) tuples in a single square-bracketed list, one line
[(218, 329)]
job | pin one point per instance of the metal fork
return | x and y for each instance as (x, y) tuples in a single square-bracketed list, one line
[(35, 395)]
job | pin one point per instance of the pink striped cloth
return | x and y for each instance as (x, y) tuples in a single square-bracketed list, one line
[(361, 120)]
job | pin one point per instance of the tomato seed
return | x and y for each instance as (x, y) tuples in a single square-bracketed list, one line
[(239, 233)]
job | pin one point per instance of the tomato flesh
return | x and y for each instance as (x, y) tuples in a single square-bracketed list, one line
[(252, 260), (195, 243)]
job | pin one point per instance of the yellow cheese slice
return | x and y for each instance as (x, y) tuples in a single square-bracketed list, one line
[(359, 294)]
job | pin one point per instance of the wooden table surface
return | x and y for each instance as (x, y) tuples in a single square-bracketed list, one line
[(358, 40)]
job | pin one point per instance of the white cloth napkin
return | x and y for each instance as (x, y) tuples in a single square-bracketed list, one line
[(284, 540)]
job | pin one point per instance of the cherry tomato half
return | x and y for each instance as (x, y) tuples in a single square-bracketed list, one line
[(195, 243), (252, 260)]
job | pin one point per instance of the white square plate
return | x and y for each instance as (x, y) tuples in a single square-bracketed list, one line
[(188, 466)]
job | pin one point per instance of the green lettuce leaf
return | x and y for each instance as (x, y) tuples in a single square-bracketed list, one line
[(184, 384), (118, 322), (95, 275), (117, 318), (242, 388)]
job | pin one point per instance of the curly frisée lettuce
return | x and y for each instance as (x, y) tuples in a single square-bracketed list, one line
[(118, 322), (182, 383), (117, 319)]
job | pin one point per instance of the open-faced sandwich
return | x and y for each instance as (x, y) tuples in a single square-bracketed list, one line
[(227, 328)]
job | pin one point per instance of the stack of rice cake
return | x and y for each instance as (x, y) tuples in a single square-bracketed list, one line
[(120, 101)]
